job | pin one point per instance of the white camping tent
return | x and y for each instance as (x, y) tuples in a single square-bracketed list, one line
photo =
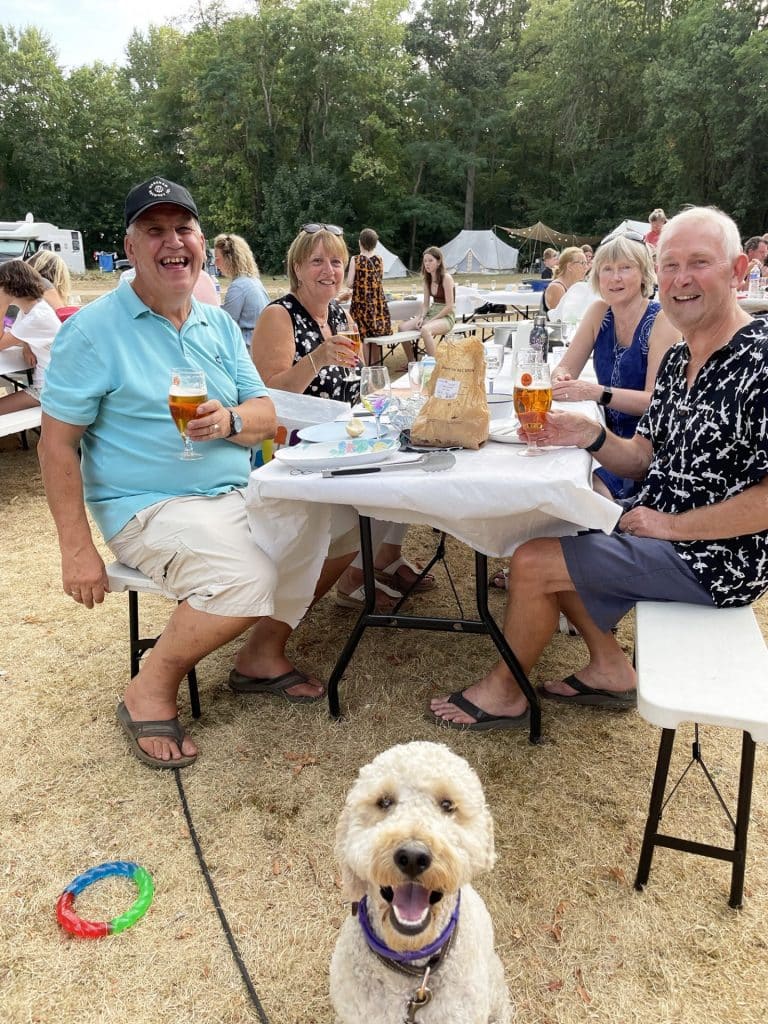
[(393, 265), (640, 227), (472, 252)]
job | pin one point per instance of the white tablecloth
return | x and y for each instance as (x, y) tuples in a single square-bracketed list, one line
[(752, 305), (468, 299), (491, 500)]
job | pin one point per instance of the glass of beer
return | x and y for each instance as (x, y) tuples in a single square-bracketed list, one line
[(532, 396), (352, 335), (188, 389)]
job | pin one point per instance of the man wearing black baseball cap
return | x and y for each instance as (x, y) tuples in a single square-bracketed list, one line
[(155, 192), (181, 522)]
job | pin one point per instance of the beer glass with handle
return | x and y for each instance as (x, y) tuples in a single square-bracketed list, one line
[(188, 389), (532, 396)]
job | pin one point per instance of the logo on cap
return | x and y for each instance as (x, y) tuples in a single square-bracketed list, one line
[(158, 188)]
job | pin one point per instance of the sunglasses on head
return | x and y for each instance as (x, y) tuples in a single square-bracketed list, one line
[(632, 236), (312, 229)]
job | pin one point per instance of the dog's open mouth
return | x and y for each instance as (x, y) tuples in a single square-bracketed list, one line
[(410, 903)]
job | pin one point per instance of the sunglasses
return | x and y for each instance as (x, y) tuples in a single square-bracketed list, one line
[(312, 229), (632, 236)]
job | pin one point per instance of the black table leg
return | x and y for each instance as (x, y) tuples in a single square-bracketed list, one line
[(485, 624)]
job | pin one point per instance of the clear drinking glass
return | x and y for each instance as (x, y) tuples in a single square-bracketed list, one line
[(188, 389), (494, 360), (375, 392), (532, 396)]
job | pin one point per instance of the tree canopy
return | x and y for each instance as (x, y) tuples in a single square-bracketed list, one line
[(416, 119)]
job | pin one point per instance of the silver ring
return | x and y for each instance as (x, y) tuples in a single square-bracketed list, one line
[(215, 426), (566, 394)]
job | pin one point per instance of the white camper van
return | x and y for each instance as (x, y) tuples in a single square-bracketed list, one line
[(21, 238)]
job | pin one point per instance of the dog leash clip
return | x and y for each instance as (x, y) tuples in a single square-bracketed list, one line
[(419, 999)]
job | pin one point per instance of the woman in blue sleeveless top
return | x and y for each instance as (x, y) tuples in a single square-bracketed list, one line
[(628, 335)]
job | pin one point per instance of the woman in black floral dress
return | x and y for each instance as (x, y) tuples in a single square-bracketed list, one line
[(295, 349), (295, 346)]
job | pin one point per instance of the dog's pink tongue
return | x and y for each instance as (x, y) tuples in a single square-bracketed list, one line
[(410, 901)]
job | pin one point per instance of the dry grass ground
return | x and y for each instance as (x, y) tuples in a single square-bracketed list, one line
[(578, 943)]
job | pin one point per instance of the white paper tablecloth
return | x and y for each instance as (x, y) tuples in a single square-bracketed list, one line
[(491, 500)]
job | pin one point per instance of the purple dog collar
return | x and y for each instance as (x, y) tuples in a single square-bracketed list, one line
[(383, 950)]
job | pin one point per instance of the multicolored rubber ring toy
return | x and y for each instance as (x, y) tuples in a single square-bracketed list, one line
[(69, 920)]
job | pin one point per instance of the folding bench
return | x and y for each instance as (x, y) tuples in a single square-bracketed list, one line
[(708, 666)]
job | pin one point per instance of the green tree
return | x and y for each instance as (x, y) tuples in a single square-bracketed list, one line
[(707, 114), (34, 142)]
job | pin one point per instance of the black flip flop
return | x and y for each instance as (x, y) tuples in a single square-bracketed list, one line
[(277, 685), (484, 720), (591, 697)]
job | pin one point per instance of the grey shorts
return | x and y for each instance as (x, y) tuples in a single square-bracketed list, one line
[(612, 573), (200, 549)]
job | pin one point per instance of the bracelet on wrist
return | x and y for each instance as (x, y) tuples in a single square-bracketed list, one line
[(312, 361), (599, 441)]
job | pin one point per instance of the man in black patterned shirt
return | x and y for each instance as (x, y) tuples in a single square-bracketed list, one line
[(698, 529)]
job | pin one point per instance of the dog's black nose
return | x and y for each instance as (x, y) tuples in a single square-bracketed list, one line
[(413, 859)]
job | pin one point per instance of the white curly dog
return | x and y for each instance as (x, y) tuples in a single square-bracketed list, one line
[(415, 829)]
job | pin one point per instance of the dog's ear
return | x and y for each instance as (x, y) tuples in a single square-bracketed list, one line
[(352, 887)]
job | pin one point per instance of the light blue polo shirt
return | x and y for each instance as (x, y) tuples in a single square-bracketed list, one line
[(110, 372)]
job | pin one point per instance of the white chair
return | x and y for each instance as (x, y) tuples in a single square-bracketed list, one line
[(121, 579), (708, 666)]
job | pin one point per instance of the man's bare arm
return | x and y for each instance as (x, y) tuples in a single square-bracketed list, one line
[(83, 574), (745, 513), (628, 457)]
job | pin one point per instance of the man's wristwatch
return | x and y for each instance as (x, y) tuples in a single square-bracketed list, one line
[(605, 398), (235, 423)]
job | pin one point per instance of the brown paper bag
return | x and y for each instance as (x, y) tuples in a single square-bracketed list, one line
[(456, 411)]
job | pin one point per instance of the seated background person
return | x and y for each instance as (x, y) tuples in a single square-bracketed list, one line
[(549, 260), (52, 268), (628, 334), (571, 267), (35, 327), (184, 524), (439, 306), (246, 296), (698, 530)]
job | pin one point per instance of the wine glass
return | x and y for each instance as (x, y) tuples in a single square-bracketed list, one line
[(187, 390), (494, 360), (352, 335), (532, 396), (375, 392)]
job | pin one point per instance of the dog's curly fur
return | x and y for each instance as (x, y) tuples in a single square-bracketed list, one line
[(415, 829)]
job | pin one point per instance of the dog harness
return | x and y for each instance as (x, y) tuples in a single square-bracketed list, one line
[(436, 951)]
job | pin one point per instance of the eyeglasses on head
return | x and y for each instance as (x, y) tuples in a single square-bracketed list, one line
[(312, 229)]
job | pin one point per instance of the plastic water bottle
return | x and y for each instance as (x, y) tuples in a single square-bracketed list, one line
[(539, 339), (754, 283)]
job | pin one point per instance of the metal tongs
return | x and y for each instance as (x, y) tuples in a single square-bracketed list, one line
[(434, 462)]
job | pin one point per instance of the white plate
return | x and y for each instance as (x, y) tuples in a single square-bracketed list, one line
[(505, 431), (330, 454), (335, 431)]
